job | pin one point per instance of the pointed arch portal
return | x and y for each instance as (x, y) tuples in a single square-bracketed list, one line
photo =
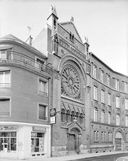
[(119, 141), (74, 139)]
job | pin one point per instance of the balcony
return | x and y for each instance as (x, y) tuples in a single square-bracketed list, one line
[(15, 58)]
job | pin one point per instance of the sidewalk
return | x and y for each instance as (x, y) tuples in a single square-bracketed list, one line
[(67, 158)]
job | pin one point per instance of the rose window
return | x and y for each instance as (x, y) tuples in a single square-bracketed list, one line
[(70, 81)]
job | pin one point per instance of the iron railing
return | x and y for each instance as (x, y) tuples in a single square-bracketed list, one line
[(25, 61)]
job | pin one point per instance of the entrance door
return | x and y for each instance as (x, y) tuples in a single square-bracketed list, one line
[(118, 141), (118, 144), (71, 142)]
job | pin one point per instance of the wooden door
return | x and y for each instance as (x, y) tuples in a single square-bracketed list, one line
[(71, 142)]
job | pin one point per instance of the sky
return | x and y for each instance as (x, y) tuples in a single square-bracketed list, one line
[(103, 22)]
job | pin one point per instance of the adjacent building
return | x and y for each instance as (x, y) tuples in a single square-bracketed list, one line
[(24, 100), (58, 72)]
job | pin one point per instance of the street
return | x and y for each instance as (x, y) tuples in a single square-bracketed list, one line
[(104, 158)]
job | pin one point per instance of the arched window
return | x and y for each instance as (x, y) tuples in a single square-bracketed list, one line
[(109, 117), (72, 115), (95, 114), (103, 116), (77, 115), (68, 116), (81, 118), (63, 115)]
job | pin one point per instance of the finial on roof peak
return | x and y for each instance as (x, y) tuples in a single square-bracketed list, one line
[(86, 39), (72, 19), (53, 10)]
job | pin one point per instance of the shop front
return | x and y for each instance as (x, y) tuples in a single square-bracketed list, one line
[(24, 141)]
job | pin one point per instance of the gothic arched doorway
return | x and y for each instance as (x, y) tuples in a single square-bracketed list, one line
[(73, 143), (119, 141)]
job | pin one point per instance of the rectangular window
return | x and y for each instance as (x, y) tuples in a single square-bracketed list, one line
[(102, 76), (102, 96), (126, 120), (109, 136), (42, 112), (126, 104), (103, 116), (117, 84), (102, 136), (117, 119), (37, 142), (94, 71), (95, 114), (43, 87), (4, 107), (108, 80), (95, 93), (5, 79), (109, 99), (125, 87), (109, 117), (117, 102), (7, 141)]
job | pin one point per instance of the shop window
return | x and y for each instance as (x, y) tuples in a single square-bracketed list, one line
[(42, 112), (5, 80), (63, 115), (4, 106), (7, 141), (43, 87), (37, 142)]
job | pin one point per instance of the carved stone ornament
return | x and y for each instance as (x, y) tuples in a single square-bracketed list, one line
[(70, 82)]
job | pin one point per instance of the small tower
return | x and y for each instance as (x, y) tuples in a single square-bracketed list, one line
[(86, 44), (52, 20)]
